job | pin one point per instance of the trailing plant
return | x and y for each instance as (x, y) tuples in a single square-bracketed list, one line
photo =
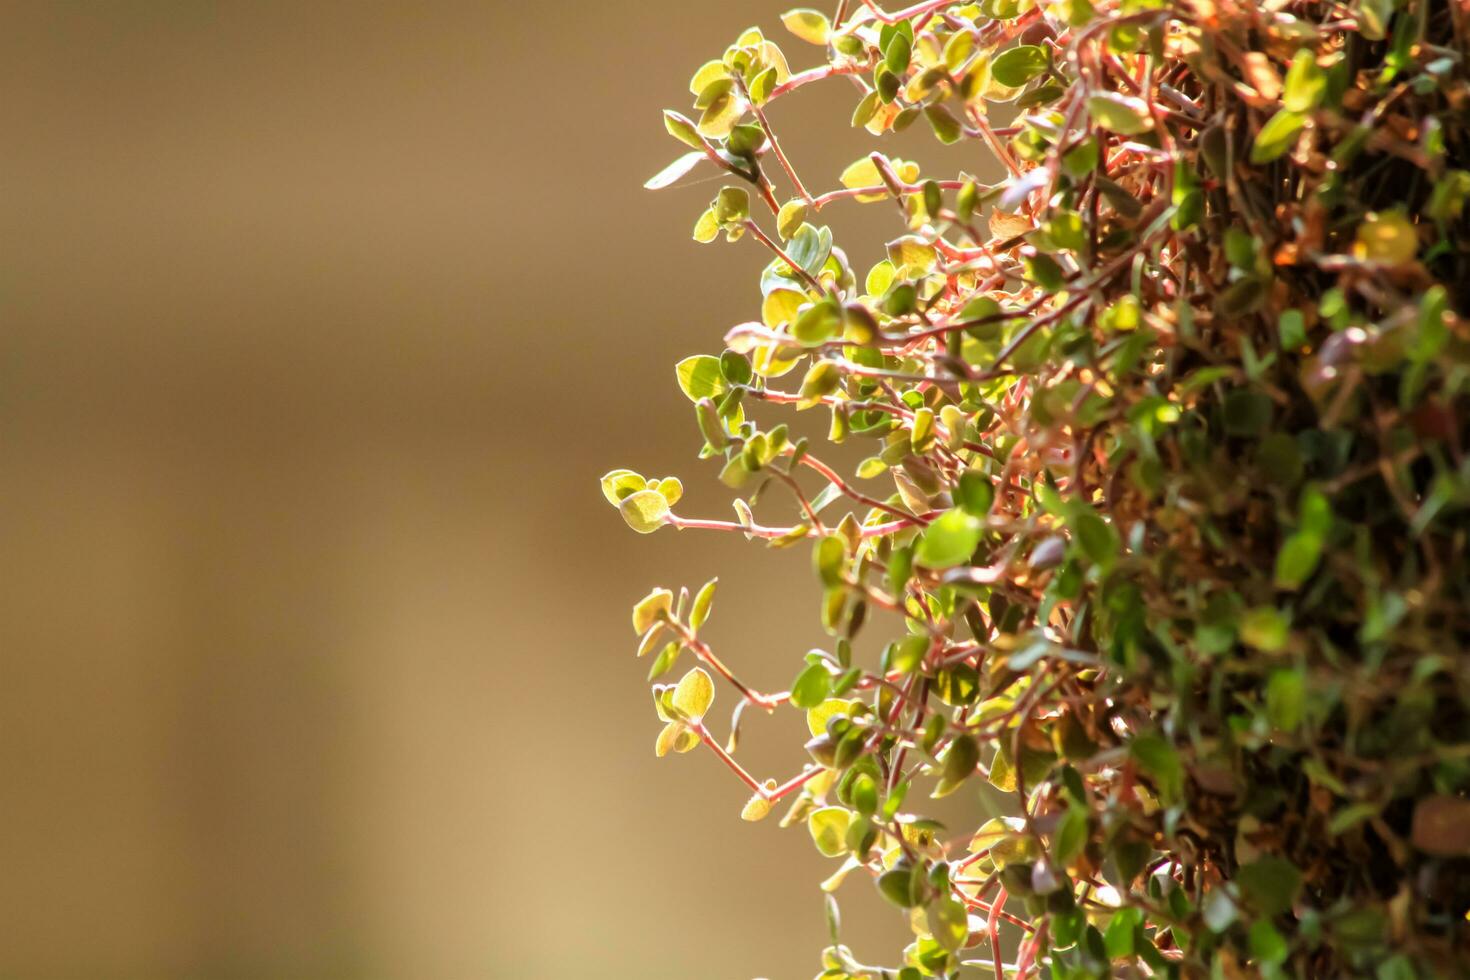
[(1162, 525)]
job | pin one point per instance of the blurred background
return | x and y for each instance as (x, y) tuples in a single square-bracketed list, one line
[(318, 324)]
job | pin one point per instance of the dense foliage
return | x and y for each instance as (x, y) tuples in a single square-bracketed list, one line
[(1164, 517)]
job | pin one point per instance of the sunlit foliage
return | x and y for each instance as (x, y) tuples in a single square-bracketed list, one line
[(1162, 525)]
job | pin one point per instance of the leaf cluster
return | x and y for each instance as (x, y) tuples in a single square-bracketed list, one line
[(1163, 515)]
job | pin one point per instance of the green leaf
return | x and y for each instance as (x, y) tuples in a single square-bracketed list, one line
[(1121, 930), (702, 603), (1097, 538), (811, 687), (1388, 237), (1156, 757), (912, 256), (817, 324), (1003, 768), (811, 26), (1270, 884), (828, 558), (817, 718), (682, 129), (756, 808), (1070, 837), (1285, 699), (790, 218), (746, 140), (735, 368), (1297, 559), (651, 609), (896, 56), (1267, 945), (732, 205), (828, 826), (1305, 83), (950, 540), (694, 693), (671, 487), (1266, 629), (921, 438), (665, 660), (645, 511), (1019, 65), (811, 247), (618, 484), (946, 127), (907, 654), (1123, 114), (1277, 136), (707, 228), (1397, 967), (899, 886), (1066, 231), (700, 377), (960, 760), (708, 73), (821, 380), (900, 567), (949, 923), (672, 738)]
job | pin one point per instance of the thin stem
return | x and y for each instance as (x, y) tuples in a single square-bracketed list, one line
[(768, 702), (770, 795), (766, 240), (831, 477), (760, 114), (822, 200), (796, 81), (759, 531), (918, 9)]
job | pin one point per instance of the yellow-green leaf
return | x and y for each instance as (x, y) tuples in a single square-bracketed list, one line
[(700, 377), (671, 488), (1305, 83), (618, 484), (791, 217), (912, 256), (810, 25), (682, 129), (709, 73), (756, 808), (1125, 115), (1277, 136), (694, 693), (1387, 237), (668, 738), (702, 603), (864, 173), (817, 718), (828, 827), (780, 306), (1019, 65), (651, 609), (645, 511), (707, 228)]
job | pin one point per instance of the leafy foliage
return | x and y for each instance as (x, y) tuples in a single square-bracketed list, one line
[(1164, 520)]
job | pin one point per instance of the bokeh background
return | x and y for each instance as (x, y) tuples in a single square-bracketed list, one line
[(318, 323)]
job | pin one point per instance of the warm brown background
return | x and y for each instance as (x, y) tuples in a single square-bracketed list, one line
[(318, 323)]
